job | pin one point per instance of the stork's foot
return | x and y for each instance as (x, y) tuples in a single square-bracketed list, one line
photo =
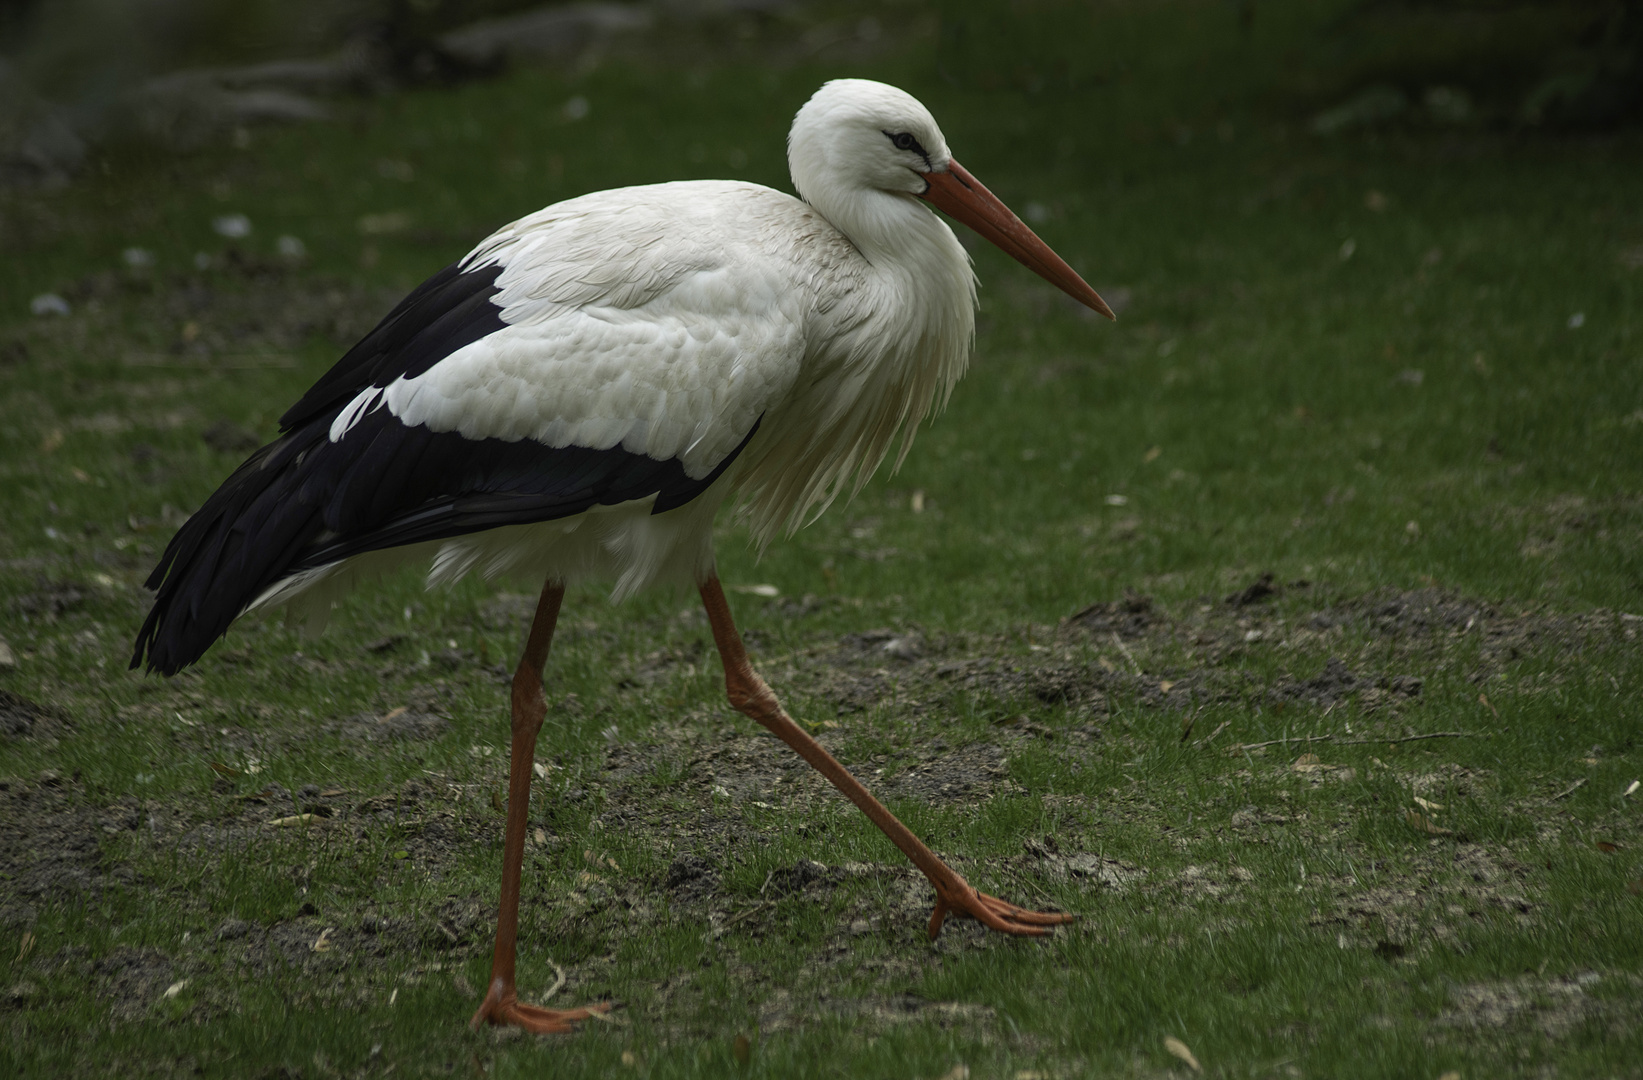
[(502, 1006), (990, 911)]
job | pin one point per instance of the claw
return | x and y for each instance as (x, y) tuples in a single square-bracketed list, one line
[(502, 1006), (995, 914)]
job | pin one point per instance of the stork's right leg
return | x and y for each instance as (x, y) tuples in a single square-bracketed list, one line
[(749, 694), (502, 1004)]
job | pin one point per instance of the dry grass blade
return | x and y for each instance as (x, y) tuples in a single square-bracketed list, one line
[(1125, 649), (294, 819), (1427, 805), (754, 910), (1570, 790), (1222, 726), (1421, 823), (1179, 1049)]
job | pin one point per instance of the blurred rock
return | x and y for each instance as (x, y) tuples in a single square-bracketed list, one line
[(548, 33), (189, 108), (1447, 105), (1370, 107), (42, 141), (37, 142), (49, 304)]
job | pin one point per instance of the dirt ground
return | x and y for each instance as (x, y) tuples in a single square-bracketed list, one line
[(61, 846)]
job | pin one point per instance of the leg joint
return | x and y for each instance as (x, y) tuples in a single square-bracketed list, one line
[(750, 695)]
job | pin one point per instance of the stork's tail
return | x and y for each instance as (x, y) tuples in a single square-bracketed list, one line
[(249, 535)]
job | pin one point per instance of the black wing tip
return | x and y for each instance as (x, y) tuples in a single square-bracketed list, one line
[(160, 657)]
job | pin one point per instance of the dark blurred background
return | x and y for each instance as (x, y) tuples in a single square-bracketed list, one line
[(75, 74)]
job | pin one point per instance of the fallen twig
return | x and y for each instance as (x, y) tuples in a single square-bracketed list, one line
[(1205, 741), (1410, 738), (558, 982), (760, 906), (1570, 790), (1347, 742)]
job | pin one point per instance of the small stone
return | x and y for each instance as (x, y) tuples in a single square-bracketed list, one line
[(687, 868), (48, 304), (902, 648), (233, 930), (232, 226)]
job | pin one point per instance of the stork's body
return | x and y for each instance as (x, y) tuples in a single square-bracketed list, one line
[(580, 394)]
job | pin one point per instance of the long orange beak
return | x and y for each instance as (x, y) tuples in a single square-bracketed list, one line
[(965, 198)]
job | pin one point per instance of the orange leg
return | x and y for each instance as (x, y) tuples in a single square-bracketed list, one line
[(749, 694), (502, 1004)]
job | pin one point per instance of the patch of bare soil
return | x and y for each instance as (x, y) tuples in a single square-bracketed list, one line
[(783, 1009), (1094, 871), (21, 718), (1133, 651), (1451, 887), (1554, 1007), (51, 845), (131, 980), (403, 723)]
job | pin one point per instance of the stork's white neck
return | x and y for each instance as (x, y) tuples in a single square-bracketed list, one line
[(921, 270), (887, 227), (892, 348)]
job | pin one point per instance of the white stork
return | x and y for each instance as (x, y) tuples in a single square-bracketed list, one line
[(577, 397)]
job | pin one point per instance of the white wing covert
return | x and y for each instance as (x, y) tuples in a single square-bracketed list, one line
[(634, 318)]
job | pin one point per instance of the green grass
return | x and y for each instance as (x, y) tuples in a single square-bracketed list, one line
[(1266, 366)]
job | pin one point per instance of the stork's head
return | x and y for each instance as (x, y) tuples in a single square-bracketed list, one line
[(859, 134), (856, 140)]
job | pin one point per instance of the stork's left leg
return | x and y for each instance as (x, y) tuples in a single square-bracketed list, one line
[(749, 694), (502, 1004)]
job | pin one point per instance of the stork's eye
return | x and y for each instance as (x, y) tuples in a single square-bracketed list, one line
[(903, 140)]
